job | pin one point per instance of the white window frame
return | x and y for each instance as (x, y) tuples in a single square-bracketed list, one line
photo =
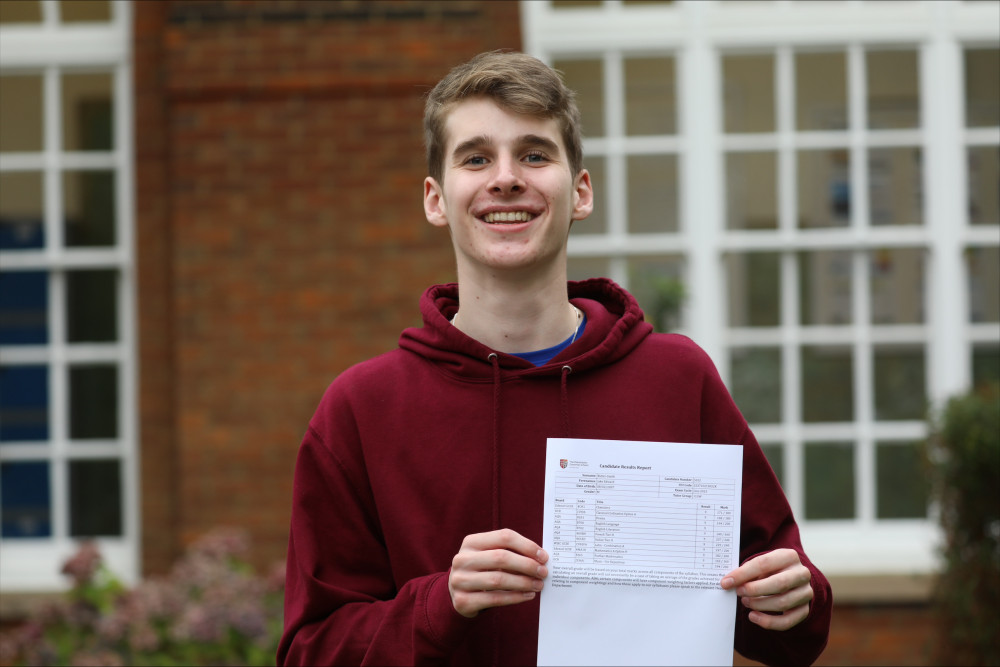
[(49, 49), (697, 34)]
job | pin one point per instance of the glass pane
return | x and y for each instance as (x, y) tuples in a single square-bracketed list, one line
[(584, 268), (87, 113), (897, 286), (95, 498), (597, 221), (89, 202), (657, 283), (77, 11), (20, 112), (586, 77), (93, 402), (748, 93), (821, 91), (982, 87), (824, 188), (984, 193), (751, 190), (900, 383), (895, 192), (754, 289), (775, 454), (985, 364), (22, 223), (984, 284), (756, 380), (24, 311), (825, 288), (649, 96), (92, 306), (829, 480), (827, 383), (901, 481), (893, 89), (24, 403), (652, 193), (25, 504), (20, 11)]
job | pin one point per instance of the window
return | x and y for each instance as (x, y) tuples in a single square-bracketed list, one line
[(799, 168), (67, 342)]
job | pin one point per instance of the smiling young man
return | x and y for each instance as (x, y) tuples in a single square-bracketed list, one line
[(417, 509)]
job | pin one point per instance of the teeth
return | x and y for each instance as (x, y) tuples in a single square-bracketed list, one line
[(510, 216)]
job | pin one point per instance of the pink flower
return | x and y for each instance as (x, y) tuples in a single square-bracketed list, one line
[(84, 564)]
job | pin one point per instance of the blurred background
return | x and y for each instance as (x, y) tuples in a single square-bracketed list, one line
[(208, 209)]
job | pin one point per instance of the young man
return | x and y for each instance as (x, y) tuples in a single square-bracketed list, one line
[(417, 510)]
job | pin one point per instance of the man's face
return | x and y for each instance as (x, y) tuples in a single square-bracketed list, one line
[(508, 194)]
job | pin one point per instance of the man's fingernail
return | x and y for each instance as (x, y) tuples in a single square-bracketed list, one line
[(728, 582)]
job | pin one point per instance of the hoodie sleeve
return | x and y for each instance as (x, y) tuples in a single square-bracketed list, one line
[(342, 603), (766, 524)]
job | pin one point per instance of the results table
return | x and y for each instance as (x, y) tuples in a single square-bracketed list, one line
[(643, 520)]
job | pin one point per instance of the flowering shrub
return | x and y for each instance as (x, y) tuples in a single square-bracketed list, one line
[(965, 450), (210, 610)]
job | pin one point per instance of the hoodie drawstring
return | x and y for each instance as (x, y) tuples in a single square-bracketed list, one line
[(564, 399), (495, 361)]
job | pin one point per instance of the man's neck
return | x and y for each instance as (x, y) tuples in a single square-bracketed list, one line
[(515, 315)]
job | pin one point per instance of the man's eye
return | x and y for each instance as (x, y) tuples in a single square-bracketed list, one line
[(475, 161), (535, 157)]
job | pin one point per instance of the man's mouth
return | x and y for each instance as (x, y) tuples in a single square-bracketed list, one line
[(507, 217)]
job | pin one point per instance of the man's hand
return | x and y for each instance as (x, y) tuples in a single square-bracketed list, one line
[(494, 570), (775, 585)]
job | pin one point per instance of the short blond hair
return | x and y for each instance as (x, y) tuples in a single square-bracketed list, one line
[(515, 81)]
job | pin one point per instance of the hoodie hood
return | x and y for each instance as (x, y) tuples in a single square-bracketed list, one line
[(615, 325)]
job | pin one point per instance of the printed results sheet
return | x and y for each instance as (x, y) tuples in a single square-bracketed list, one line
[(639, 536)]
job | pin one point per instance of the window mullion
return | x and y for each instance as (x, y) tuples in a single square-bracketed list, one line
[(58, 403), (945, 187), (702, 187), (50, 13), (614, 113), (857, 121), (863, 388)]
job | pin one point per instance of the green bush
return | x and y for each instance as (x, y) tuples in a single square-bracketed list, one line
[(210, 610), (965, 452)]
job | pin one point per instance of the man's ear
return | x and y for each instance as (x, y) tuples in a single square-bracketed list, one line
[(583, 196), (434, 203)]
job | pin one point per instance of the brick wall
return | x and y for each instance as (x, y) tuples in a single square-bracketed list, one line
[(878, 634), (281, 235)]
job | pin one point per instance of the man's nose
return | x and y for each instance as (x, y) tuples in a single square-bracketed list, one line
[(507, 177)]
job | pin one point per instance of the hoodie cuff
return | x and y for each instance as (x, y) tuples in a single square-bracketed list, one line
[(445, 626)]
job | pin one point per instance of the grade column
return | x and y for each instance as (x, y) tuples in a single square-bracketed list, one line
[(704, 535)]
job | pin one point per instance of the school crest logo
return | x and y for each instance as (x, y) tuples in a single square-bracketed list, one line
[(563, 463)]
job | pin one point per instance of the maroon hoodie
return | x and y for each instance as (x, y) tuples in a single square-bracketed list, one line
[(413, 450)]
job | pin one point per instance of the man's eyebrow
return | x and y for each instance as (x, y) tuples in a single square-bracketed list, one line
[(475, 143), (540, 142)]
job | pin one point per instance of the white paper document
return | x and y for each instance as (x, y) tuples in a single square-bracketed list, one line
[(639, 536)]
